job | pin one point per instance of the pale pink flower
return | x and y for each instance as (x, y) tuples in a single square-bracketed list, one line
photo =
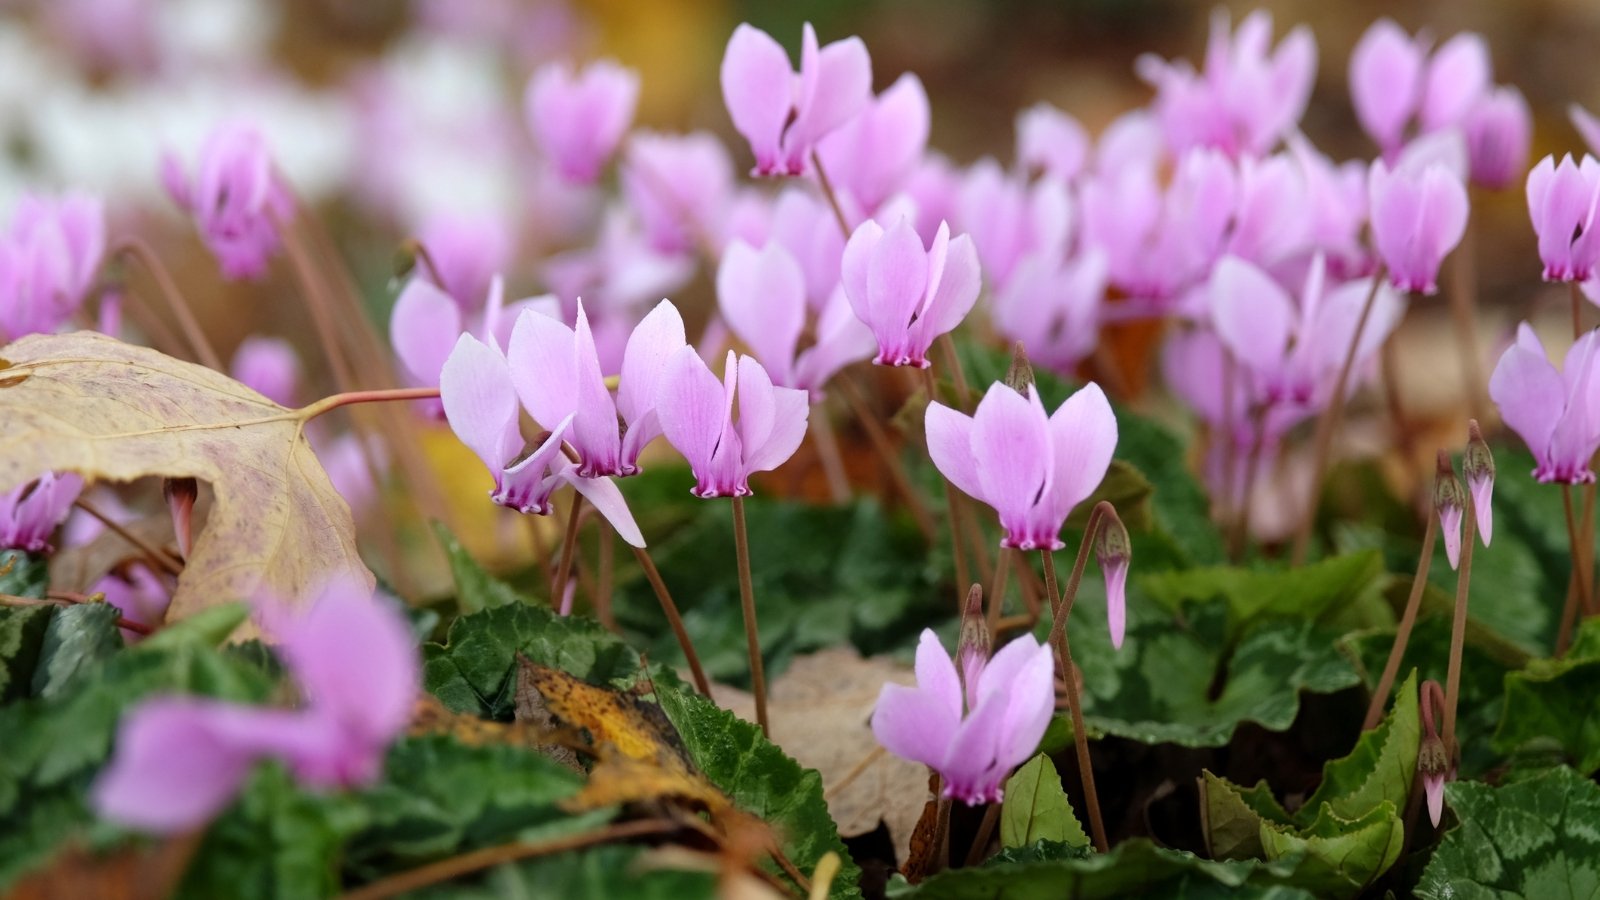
[(784, 113), (235, 197), (578, 118), (698, 416)]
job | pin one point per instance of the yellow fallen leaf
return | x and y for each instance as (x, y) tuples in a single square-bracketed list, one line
[(86, 403)]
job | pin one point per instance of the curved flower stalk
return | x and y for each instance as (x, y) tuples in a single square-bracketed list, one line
[(762, 296), (481, 406), (31, 512), (974, 726), (784, 113), (1556, 412), (698, 416), (578, 118), (557, 373), (1244, 100), (48, 262), (1032, 468), (907, 294), (234, 197), (180, 760)]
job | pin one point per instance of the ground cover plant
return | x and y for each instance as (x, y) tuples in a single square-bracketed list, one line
[(785, 509)]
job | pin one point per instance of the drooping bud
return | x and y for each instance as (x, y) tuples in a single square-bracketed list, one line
[(1433, 758), (1019, 376), (1449, 501), (974, 646), (180, 494), (1478, 466), (1113, 551)]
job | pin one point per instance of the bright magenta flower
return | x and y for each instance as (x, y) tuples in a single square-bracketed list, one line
[(1007, 700), (784, 113), (578, 118), (698, 415), (1031, 467), (48, 262), (31, 512), (180, 760), (234, 197)]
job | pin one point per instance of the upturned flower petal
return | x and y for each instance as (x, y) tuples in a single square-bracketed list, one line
[(784, 113), (1054, 307), (1556, 412), (1419, 215), (1562, 201), (466, 253), (870, 157), (578, 117), (1458, 77), (697, 414), (907, 294), (1386, 82), (235, 197), (680, 187), (1499, 129), (1052, 142)]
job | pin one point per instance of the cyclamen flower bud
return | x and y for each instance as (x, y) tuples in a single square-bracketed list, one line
[(1478, 466), (1449, 501), (180, 494), (975, 644), (1113, 551), (1019, 377), (1433, 757)]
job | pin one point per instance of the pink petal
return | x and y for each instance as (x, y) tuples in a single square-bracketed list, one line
[(1450, 528), (1052, 141), (423, 329), (756, 85), (171, 771), (896, 278), (1116, 575), (1011, 444), (1385, 82), (842, 89), (959, 284), (692, 409), (654, 342), (608, 501), (1083, 434), (1029, 699), (854, 268), (950, 446), (544, 367), (913, 724), (269, 367), (841, 340), (1252, 315), (762, 295), (479, 402), (1588, 127), (594, 432), (971, 767), (936, 673), (1433, 787), (1482, 506), (1528, 390), (772, 420), (1458, 75)]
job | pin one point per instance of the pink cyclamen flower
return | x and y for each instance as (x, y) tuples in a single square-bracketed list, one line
[(1009, 219), (907, 294), (1499, 128), (48, 262), (1033, 468), (1051, 142), (1244, 100), (268, 366), (1562, 201), (31, 512), (972, 734), (1394, 81), (1556, 412), (783, 113), (1419, 214), (235, 197), (557, 373), (1054, 307), (1477, 465), (1588, 126), (869, 157), (466, 253), (578, 118), (680, 187), (697, 414), (762, 295), (426, 321), (481, 406), (180, 760)]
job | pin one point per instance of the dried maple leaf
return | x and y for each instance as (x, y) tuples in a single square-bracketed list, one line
[(85, 403)]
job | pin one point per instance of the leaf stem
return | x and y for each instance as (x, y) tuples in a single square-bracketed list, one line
[(1329, 423), (334, 401), (136, 248), (467, 863), (747, 603), (1458, 627), (1402, 635), (1061, 607), (664, 597), (827, 191)]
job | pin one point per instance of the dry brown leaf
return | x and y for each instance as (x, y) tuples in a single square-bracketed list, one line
[(80, 568), (134, 873), (90, 404), (820, 709)]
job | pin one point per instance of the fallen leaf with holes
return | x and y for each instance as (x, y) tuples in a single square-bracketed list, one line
[(638, 754), (86, 403), (821, 710)]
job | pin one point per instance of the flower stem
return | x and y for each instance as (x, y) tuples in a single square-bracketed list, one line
[(196, 337), (1458, 627), (1464, 310), (1569, 615), (826, 441), (606, 552), (569, 546), (997, 589), (833, 199), (1328, 424), (747, 602), (947, 346), (897, 470), (1239, 534), (980, 841), (1061, 608), (1575, 544), (652, 575), (941, 834), (1391, 669), (157, 556), (1576, 296)]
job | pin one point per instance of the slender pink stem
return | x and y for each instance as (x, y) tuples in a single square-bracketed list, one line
[(747, 602)]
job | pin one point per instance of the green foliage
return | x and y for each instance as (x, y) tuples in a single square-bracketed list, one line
[(24, 574), (1036, 809), (1349, 832), (1330, 589), (476, 589), (762, 780), (1555, 704), (1534, 838), (80, 637), (608, 871), (823, 576), (22, 630), (1133, 868)]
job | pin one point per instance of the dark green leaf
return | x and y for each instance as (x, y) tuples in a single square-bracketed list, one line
[(79, 639), (1134, 868), (22, 630), (600, 873), (1316, 592), (1555, 704), (25, 574), (1041, 851), (1036, 808), (476, 589), (1379, 768), (207, 628), (762, 781), (1534, 838)]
